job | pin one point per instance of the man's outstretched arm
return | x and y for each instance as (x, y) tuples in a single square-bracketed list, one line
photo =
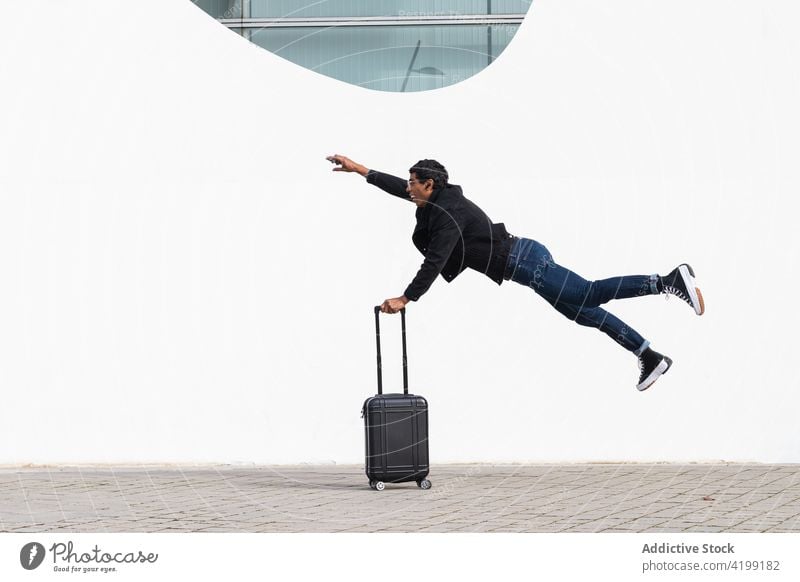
[(392, 185), (386, 182), (442, 243), (445, 238)]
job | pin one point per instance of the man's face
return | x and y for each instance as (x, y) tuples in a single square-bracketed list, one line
[(419, 190)]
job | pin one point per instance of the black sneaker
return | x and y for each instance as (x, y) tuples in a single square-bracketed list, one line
[(651, 366), (680, 282)]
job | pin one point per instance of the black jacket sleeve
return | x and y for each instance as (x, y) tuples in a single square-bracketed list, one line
[(445, 235), (391, 184)]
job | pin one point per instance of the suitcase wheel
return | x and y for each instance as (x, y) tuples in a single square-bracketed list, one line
[(424, 484), (378, 485)]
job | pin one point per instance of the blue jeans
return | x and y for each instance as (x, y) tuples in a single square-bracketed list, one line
[(531, 264)]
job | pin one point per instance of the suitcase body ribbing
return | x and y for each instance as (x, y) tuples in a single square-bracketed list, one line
[(395, 429)]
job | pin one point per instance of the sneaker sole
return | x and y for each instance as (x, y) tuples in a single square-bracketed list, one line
[(659, 371), (695, 296)]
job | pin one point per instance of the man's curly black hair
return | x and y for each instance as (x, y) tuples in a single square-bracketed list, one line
[(430, 169)]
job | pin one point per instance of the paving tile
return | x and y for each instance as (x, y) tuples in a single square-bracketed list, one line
[(465, 498)]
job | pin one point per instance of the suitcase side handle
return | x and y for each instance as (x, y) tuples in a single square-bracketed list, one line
[(378, 345)]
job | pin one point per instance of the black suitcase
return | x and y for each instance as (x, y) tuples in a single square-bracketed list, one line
[(395, 429)]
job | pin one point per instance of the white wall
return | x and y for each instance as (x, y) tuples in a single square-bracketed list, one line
[(185, 280)]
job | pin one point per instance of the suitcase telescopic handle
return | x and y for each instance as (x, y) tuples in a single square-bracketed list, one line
[(378, 345)]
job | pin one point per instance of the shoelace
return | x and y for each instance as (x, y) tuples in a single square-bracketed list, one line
[(670, 290)]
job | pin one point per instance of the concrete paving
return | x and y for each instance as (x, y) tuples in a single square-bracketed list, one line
[(464, 498)]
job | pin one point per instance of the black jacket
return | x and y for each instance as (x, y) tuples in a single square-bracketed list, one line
[(452, 233)]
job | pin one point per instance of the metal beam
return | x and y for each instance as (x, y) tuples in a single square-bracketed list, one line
[(461, 19)]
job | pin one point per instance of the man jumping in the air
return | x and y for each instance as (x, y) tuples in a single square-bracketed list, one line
[(453, 234)]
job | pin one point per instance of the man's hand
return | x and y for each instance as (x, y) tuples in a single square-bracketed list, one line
[(394, 305), (345, 164)]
